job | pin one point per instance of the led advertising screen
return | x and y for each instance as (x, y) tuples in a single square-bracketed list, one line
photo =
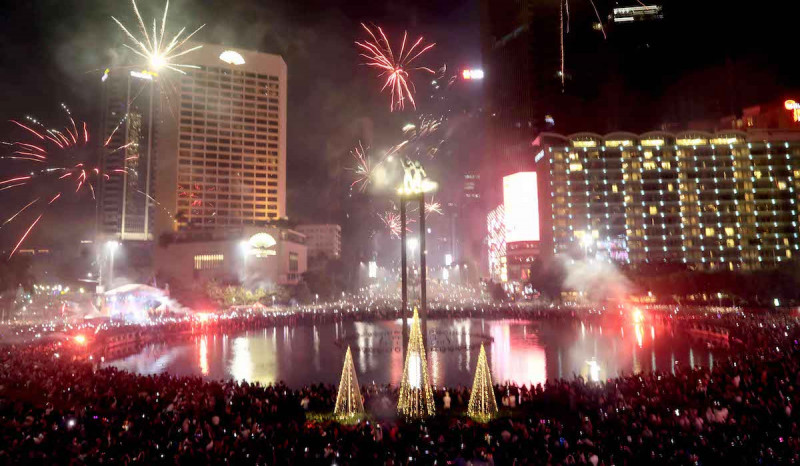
[(521, 200)]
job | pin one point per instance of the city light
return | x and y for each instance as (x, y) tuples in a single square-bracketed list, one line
[(474, 75), (80, 339), (794, 107)]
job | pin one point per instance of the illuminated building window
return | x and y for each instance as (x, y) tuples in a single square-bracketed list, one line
[(729, 231), (293, 262), (615, 143), (208, 261), (575, 166), (670, 187), (709, 231), (614, 188), (648, 154), (652, 142), (653, 210), (757, 174), (781, 185), (731, 243), (666, 165), (649, 165)]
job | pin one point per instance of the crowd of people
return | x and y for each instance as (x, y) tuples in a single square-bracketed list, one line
[(57, 407)]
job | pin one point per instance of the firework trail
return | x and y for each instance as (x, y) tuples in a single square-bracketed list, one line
[(61, 152), (561, 25), (396, 68), (599, 20), (154, 47), (564, 29)]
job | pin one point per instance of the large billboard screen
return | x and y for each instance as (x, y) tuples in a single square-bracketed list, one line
[(521, 200)]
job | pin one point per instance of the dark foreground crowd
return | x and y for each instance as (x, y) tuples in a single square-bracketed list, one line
[(58, 408)]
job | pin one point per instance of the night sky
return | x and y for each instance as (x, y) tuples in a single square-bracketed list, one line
[(55, 50)]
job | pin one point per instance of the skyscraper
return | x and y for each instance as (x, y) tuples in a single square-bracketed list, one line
[(129, 119), (223, 160), (521, 64)]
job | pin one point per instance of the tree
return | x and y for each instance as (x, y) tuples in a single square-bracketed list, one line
[(348, 401), (482, 403), (234, 295), (416, 397)]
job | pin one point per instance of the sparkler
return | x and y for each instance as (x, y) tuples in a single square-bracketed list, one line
[(396, 68), (61, 152), (154, 47)]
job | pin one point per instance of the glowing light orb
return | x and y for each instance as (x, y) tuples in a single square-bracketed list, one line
[(231, 57), (157, 61)]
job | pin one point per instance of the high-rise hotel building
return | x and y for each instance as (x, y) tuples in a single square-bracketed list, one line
[(726, 200), (222, 155)]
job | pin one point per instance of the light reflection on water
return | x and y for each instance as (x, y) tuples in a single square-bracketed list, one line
[(522, 351)]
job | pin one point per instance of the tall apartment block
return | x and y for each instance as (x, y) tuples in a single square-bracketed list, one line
[(223, 154), (130, 112), (725, 200), (322, 239)]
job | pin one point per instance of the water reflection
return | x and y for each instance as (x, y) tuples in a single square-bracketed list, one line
[(523, 352), (204, 355)]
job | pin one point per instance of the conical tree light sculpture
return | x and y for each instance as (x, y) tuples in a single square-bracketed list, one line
[(348, 401), (482, 403), (416, 396)]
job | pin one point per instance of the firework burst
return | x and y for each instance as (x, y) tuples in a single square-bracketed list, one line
[(433, 207), (158, 50), (392, 221), (50, 163), (395, 68), (363, 168), (421, 139)]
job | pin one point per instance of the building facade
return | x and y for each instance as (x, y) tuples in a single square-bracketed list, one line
[(224, 152), (725, 200), (256, 257), (130, 112), (322, 240)]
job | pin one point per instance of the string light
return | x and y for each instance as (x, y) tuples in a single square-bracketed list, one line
[(349, 403), (482, 403), (416, 396)]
